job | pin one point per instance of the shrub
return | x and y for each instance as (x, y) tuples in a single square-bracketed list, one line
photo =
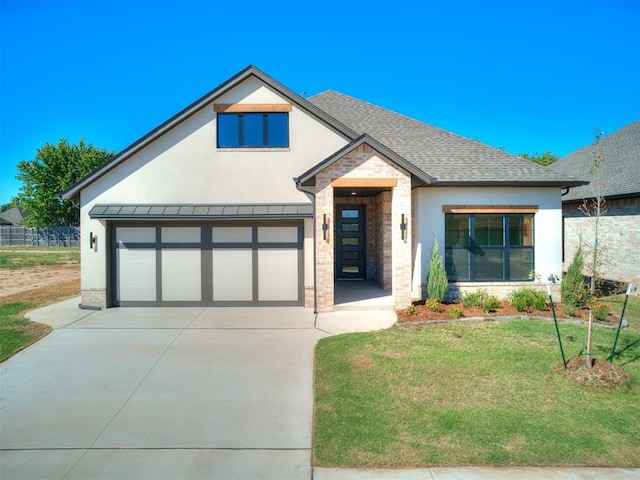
[(519, 300), (455, 312), (473, 299), (490, 303), (570, 310), (600, 311), (432, 304), (410, 310), (538, 299), (437, 282), (573, 290), (523, 298)]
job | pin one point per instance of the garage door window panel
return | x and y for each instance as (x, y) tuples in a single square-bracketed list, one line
[(278, 274), (232, 274), (136, 274), (181, 275)]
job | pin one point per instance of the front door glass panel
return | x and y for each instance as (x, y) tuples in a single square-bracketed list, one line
[(350, 242)]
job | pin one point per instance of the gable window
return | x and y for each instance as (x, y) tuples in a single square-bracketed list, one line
[(489, 247), (253, 130)]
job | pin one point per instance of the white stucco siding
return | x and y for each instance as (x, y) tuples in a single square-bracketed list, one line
[(183, 166), (93, 265), (429, 222)]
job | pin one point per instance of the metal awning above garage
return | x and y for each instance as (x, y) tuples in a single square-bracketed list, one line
[(202, 212)]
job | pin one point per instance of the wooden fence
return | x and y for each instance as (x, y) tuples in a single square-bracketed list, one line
[(43, 237)]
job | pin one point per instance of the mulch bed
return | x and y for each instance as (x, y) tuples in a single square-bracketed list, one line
[(423, 314), (601, 374)]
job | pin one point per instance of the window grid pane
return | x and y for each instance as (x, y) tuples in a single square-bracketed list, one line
[(228, 131), (252, 130), (481, 247)]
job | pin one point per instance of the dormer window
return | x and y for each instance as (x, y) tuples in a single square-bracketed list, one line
[(244, 126)]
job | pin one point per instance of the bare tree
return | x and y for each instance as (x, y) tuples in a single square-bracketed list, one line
[(595, 208)]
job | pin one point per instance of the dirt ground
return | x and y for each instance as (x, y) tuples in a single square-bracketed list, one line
[(16, 281)]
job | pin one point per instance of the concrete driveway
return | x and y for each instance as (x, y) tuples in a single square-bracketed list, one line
[(155, 393)]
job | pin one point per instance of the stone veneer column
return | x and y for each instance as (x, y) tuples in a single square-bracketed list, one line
[(324, 247), (94, 297), (366, 162), (401, 249)]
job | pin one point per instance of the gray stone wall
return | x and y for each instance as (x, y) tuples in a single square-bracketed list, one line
[(619, 238)]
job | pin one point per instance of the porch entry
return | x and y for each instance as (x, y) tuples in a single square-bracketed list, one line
[(350, 242)]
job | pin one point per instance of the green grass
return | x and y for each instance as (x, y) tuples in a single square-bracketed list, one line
[(15, 258), (17, 332), (473, 394)]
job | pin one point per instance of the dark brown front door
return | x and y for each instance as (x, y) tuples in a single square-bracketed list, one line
[(350, 242)]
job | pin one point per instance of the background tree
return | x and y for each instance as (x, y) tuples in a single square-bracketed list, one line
[(546, 159), (14, 203), (54, 169)]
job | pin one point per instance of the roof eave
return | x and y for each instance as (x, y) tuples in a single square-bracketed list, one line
[(510, 183)]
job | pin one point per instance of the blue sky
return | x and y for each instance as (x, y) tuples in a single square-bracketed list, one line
[(526, 76)]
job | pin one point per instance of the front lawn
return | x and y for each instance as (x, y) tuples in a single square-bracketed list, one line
[(16, 332), (473, 394)]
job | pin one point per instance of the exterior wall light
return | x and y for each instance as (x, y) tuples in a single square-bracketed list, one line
[(325, 226), (93, 240), (404, 221)]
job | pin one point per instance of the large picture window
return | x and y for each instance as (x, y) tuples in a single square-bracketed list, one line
[(488, 247), (253, 130)]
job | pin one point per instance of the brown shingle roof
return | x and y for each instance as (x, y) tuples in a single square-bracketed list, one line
[(620, 167), (448, 157)]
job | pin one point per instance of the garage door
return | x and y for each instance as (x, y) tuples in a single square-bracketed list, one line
[(228, 263)]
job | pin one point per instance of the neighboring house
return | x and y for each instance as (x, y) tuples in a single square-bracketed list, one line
[(253, 195), (619, 230), (12, 217)]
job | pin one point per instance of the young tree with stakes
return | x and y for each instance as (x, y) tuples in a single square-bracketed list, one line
[(594, 208)]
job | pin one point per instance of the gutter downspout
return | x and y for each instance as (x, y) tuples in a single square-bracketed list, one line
[(315, 270)]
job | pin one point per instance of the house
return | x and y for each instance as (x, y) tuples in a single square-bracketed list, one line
[(619, 180), (12, 217), (253, 195)]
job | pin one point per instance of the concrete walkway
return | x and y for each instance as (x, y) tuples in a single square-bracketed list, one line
[(185, 393)]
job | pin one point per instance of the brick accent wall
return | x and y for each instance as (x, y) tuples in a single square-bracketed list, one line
[(501, 290), (619, 238), (383, 234), (391, 255)]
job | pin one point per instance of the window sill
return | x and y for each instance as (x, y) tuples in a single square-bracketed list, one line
[(257, 149)]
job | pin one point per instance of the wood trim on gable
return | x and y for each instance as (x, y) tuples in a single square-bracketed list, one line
[(364, 182), (251, 107), (490, 208)]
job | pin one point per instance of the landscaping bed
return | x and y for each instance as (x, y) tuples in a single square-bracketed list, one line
[(421, 313)]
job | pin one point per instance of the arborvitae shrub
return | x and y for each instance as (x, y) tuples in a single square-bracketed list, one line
[(573, 289), (437, 282)]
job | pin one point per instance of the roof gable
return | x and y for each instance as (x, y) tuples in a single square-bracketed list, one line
[(251, 71), (450, 158), (620, 167), (417, 175)]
